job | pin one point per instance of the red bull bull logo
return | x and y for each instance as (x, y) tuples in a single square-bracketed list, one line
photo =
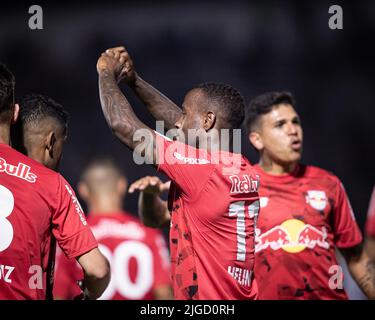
[(317, 199), (292, 236)]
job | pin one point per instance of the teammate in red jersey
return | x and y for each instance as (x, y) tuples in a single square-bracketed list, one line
[(39, 207), (213, 196), (305, 213), (137, 254), (370, 227)]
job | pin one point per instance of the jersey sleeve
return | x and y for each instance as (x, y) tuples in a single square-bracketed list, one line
[(69, 225), (161, 261), (346, 231), (189, 168), (370, 223)]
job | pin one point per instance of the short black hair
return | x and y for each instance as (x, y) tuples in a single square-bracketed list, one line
[(263, 104), (7, 83), (36, 107), (229, 99)]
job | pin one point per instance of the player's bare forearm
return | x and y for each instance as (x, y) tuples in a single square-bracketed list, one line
[(362, 268), (96, 271), (160, 106), (153, 211), (94, 287), (163, 292), (370, 247), (117, 110)]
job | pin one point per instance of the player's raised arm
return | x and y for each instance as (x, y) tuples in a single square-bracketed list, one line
[(118, 112), (152, 210), (160, 106)]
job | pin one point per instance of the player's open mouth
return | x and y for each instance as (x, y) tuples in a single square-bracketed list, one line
[(296, 145)]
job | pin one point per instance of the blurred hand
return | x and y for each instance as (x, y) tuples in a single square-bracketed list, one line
[(151, 185), (118, 61)]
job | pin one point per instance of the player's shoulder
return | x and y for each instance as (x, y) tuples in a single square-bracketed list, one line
[(7, 152), (122, 223), (121, 218), (25, 167), (314, 172), (136, 220), (231, 161), (150, 232)]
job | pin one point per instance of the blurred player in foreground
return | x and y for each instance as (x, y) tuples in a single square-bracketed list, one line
[(212, 237), (305, 213), (39, 207), (138, 255), (370, 229)]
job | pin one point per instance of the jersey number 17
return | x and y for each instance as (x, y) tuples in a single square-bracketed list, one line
[(240, 209)]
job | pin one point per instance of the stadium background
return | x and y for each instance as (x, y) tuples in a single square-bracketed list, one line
[(255, 46)]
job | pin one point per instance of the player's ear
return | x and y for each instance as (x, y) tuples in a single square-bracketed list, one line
[(122, 186), (209, 121), (50, 142), (16, 112), (83, 191), (256, 140)]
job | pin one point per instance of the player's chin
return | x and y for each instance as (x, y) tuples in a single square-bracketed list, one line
[(295, 155)]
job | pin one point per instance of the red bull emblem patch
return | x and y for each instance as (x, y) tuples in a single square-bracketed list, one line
[(292, 236), (317, 199)]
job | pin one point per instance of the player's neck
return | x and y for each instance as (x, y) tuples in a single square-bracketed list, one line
[(36, 155), (4, 135), (274, 168), (106, 204)]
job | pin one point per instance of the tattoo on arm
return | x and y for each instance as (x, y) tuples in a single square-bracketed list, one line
[(362, 269), (117, 110), (367, 281), (160, 106)]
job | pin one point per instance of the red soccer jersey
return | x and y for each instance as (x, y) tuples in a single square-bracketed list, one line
[(138, 257), (303, 217), (37, 206), (370, 224), (213, 203)]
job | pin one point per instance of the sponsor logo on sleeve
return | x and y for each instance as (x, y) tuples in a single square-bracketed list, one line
[(77, 205), (190, 160)]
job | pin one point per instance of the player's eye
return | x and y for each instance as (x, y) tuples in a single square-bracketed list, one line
[(279, 124), (296, 121)]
